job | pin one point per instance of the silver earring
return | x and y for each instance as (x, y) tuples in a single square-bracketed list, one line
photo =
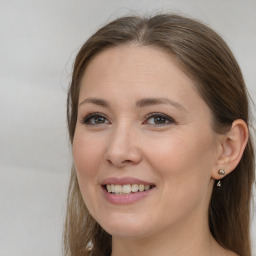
[(221, 172)]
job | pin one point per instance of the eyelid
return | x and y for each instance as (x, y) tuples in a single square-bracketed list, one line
[(85, 119), (155, 114)]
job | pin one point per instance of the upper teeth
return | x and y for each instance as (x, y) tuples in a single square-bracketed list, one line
[(126, 189)]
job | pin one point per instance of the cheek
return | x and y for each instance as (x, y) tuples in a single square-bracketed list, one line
[(87, 155), (184, 163), (184, 170)]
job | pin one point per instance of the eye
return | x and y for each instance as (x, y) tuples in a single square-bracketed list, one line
[(158, 119), (95, 119)]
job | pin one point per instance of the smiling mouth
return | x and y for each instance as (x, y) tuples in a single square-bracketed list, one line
[(126, 189)]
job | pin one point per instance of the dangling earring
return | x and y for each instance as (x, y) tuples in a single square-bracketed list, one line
[(222, 173)]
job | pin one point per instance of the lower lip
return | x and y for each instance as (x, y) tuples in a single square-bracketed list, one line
[(126, 199)]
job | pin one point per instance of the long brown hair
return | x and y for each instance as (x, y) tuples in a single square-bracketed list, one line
[(206, 58)]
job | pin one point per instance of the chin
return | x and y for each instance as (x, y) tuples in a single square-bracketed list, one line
[(131, 233), (123, 226)]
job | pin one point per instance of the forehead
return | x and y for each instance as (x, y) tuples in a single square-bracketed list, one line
[(129, 62), (141, 69), (141, 58)]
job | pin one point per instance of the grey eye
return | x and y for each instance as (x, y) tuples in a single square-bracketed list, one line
[(95, 119), (158, 119)]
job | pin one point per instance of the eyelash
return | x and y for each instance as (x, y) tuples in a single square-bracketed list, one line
[(167, 118), (88, 118)]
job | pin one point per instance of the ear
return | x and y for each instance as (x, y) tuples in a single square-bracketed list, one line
[(232, 147)]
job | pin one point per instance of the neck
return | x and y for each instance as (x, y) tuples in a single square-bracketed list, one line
[(190, 244), (180, 240)]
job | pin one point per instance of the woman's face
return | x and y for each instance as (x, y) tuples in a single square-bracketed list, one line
[(144, 132)]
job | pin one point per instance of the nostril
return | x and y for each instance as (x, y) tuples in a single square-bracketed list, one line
[(109, 161), (119, 164), (127, 161)]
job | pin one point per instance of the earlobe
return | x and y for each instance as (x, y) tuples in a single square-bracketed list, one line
[(232, 147)]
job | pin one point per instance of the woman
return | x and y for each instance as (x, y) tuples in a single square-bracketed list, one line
[(163, 159)]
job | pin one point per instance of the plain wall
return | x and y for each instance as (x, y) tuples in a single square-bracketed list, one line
[(38, 42)]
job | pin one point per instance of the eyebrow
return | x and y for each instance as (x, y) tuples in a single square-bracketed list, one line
[(96, 101), (140, 103), (157, 101)]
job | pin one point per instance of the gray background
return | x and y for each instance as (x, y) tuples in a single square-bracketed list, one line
[(38, 42)]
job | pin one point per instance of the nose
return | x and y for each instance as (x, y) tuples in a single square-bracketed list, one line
[(123, 148)]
